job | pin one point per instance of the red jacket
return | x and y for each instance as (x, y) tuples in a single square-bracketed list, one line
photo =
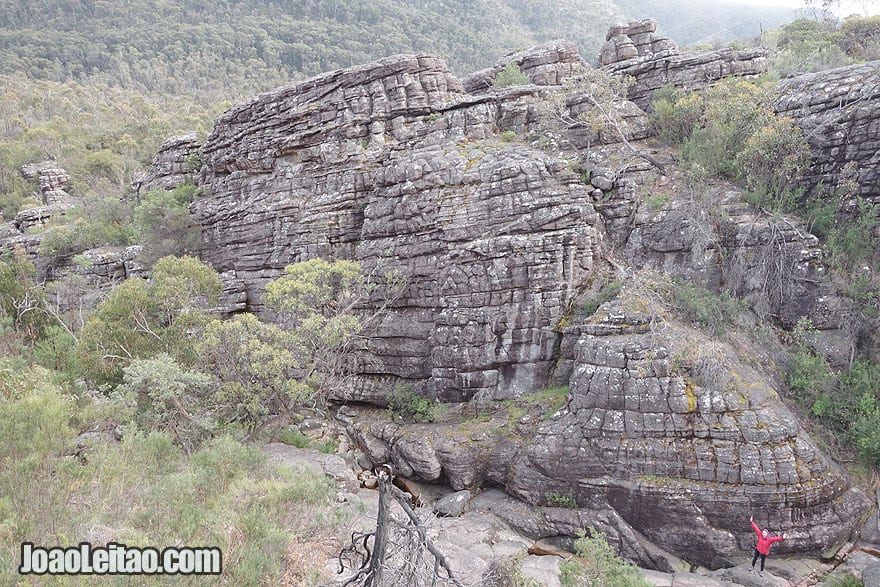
[(764, 544)]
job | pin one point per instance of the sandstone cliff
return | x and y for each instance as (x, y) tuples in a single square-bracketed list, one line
[(664, 434)]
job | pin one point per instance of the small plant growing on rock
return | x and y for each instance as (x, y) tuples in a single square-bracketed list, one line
[(510, 76), (607, 292), (404, 404), (508, 136), (557, 500), (595, 564)]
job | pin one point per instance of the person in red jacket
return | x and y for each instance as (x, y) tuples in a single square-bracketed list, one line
[(765, 541)]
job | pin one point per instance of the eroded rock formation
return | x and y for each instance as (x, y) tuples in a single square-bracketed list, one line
[(392, 164), (653, 61), (173, 165), (395, 165), (666, 436), (839, 111)]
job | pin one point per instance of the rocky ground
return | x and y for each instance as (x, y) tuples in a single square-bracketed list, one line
[(473, 532)]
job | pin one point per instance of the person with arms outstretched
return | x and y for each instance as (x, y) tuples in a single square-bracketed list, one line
[(765, 541)]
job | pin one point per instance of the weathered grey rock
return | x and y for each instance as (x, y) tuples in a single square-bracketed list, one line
[(683, 461), (53, 181), (109, 265), (544, 570), (174, 164), (333, 466), (39, 216), (549, 64), (453, 504), (871, 575), (653, 61), (839, 110), (629, 41), (392, 165), (857, 562)]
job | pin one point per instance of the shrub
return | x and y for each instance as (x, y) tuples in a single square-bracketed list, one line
[(771, 161), (253, 362), (21, 298), (510, 76), (595, 564), (143, 318), (164, 223), (710, 311), (808, 376), (161, 395), (733, 110), (863, 383), (403, 404), (850, 242), (675, 114), (508, 136)]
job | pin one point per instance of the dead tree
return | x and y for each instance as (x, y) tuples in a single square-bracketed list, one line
[(398, 552)]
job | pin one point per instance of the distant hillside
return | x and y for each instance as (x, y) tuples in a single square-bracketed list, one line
[(222, 48), (689, 22)]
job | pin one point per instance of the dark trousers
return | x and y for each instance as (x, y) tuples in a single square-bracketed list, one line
[(755, 559)]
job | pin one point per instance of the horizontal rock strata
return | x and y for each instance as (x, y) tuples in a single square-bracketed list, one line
[(839, 111)]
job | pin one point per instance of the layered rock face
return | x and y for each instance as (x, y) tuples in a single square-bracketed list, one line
[(681, 439), (667, 441), (839, 111), (391, 164), (653, 61), (664, 435)]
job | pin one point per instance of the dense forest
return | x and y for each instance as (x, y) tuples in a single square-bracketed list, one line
[(225, 49)]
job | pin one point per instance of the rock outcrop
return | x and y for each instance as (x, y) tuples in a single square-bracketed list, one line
[(550, 64), (652, 61), (54, 198), (393, 165), (667, 438), (636, 39), (839, 111), (173, 165)]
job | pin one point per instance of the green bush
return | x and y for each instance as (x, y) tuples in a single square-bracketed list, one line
[(294, 437), (144, 318), (770, 163), (510, 76), (98, 221), (806, 45), (22, 299), (862, 382), (808, 376), (675, 113), (403, 404), (850, 242), (164, 223), (160, 395), (710, 311), (733, 110), (253, 362), (595, 564)]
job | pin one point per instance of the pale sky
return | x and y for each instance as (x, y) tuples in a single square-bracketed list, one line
[(842, 8)]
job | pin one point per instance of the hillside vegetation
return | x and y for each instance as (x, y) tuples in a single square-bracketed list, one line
[(221, 49)]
